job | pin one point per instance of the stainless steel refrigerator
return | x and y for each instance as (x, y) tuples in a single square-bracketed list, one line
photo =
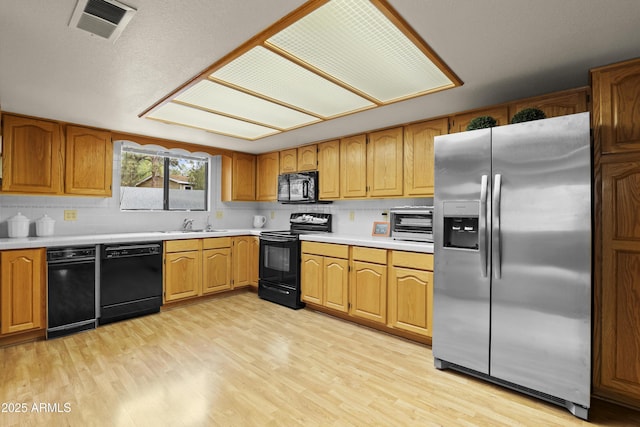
[(512, 258)]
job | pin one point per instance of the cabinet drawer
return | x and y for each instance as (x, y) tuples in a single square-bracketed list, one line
[(216, 243), (182, 245), (326, 249), (378, 256), (416, 260)]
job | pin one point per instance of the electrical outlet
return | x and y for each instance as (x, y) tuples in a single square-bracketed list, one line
[(352, 215), (70, 215), (273, 215), (219, 214)]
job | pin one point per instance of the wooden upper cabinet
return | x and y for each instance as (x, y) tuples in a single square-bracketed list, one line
[(32, 155), (353, 167), (238, 181), (418, 156), (88, 162), (267, 176), (555, 104), (329, 170), (308, 158), (289, 160), (616, 106), (459, 122), (22, 290), (385, 163)]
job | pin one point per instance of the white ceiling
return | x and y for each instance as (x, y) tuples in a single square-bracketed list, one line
[(501, 49)]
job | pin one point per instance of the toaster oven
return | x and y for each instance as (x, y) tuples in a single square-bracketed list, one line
[(412, 223)]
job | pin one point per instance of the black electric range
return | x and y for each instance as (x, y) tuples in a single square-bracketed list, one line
[(280, 258)]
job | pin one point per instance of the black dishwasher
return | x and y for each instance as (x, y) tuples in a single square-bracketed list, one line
[(71, 290), (130, 280)]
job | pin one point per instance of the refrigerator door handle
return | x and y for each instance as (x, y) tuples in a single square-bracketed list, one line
[(482, 236), (495, 223)]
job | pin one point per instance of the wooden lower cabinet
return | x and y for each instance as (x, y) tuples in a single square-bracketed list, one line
[(241, 261), (182, 269), (368, 284), (325, 275), (617, 339), (254, 261), (410, 302), (196, 267), (22, 290)]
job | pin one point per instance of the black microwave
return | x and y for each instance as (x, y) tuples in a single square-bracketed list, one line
[(300, 187)]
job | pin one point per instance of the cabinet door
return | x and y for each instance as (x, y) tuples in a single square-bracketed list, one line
[(289, 161), (267, 177), (353, 167), (22, 283), (311, 278), (335, 283), (329, 169), (240, 262), (368, 285), (384, 163), (554, 104), (619, 321), (411, 300), (216, 270), (418, 156), (32, 156), (182, 275), (616, 107), (308, 158), (459, 122), (89, 162), (254, 260), (243, 185)]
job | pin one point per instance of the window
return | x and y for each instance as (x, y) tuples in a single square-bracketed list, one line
[(151, 180)]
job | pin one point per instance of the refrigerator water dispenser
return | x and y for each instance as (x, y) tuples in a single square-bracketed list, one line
[(461, 225)]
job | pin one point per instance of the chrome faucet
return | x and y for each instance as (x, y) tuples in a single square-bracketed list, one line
[(187, 224)]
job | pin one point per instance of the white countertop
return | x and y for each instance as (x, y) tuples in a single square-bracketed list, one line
[(369, 241), (151, 236), (92, 239)]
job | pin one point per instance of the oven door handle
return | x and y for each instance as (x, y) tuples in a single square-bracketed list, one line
[(274, 289), (72, 261), (276, 239)]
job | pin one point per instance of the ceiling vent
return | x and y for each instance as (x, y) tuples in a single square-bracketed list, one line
[(104, 18)]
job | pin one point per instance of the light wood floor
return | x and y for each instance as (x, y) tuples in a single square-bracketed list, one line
[(241, 361)]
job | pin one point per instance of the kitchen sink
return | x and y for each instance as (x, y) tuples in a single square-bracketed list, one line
[(214, 230)]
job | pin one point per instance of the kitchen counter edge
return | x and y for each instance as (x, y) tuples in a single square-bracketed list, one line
[(154, 236), (94, 239), (372, 242)]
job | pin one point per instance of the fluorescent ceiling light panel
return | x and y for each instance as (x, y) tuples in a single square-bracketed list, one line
[(327, 59), (269, 74), (355, 43), (187, 116), (221, 99)]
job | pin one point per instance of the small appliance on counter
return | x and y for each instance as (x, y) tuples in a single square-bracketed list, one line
[(280, 258), (18, 226), (414, 223), (44, 226)]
